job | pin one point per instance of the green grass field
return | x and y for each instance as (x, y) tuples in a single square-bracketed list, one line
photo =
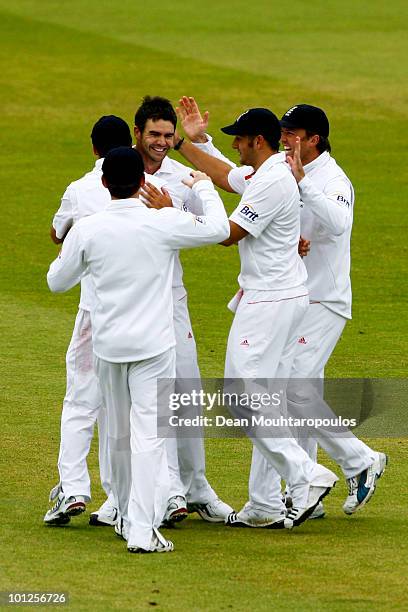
[(62, 66)]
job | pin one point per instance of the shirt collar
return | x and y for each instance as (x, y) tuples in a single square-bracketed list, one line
[(166, 167), (276, 158), (98, 164), (125, 203), (321, 160)]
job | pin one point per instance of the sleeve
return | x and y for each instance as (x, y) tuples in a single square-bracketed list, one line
[(238, 176), (333, 207), (259, 206), (64, 217), (66, 271), (183, 229), (209, 148)]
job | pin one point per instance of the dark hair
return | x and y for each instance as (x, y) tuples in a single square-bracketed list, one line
[(123, 170), (323, 144), (110, 132), (155, 108)]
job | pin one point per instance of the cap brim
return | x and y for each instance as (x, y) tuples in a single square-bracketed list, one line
[(288, 124), (231, 130)]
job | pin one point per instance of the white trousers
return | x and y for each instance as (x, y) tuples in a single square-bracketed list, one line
[(262, 344), (186, 456), (318, 335), (82, 406), (140, 476)]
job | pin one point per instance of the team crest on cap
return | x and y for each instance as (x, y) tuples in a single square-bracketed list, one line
[(244, 113), (290, 111)]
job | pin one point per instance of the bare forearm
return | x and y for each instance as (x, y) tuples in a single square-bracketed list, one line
[(215, 168)]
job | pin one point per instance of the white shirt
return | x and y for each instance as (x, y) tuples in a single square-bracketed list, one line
[(326, 220), (172, 173), (269, 211), (128, 249), (82, 198)]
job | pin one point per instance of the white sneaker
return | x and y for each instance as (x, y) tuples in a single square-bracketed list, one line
[(318, 512), (362, 486), (176, 511), (158, 544), (107, 515), (215, 511), (253, 517), (121, 529), (63, 509), (297, 516), (55, 491)]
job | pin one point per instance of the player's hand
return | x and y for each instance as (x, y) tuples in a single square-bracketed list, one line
[(196, 176), (154, 198), (295, 163), (303, 246), (194, 123)]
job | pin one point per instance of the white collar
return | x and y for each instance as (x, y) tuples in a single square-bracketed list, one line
[(321, 160), (125, 203)]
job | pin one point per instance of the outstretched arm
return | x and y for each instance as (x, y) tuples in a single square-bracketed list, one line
[(195, 125)]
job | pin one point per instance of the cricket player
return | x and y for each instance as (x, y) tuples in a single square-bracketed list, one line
[(273, 296), (82, 404), (155, 124), (132, 321), (326, 221)]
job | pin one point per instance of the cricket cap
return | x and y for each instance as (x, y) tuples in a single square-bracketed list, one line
[(123, 167), (254, 122), (306, 117)]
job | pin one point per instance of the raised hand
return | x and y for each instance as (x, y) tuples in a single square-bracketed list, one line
[(194, 123), (295, 162), (154, 198)]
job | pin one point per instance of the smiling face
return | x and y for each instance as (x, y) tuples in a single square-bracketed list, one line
[(308, 150), (155, 140)]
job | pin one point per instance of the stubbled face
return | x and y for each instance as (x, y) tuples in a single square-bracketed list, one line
[(245, 147), (307, 145), (155, 140)]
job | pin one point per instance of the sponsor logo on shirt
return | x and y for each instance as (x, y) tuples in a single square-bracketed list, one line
[(200, 220), (342, 200), (302, 340), (245, 342), (248, 212)]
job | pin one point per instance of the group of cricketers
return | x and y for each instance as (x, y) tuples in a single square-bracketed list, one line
[(122, 225)]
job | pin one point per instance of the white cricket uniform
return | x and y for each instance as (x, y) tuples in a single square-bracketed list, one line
[(326, 220), (263, 335), (133, 334), (82, 404), (186, 455)]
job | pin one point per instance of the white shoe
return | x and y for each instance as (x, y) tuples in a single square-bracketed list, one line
[(121, 529), (253, 517), (106, 515), (63, 509), (55, 491), (362, 486), (318, 512), (215, 511), (176, 511), (158, 544), (297, 516)]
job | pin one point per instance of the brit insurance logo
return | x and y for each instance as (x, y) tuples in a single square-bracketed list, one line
[(249, 213)]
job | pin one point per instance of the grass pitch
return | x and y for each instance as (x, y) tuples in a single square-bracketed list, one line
[(64, 65)]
